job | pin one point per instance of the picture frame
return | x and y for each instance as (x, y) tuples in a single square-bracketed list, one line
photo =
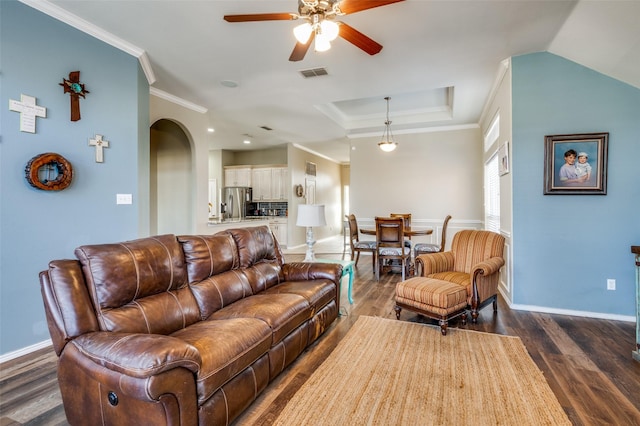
[(581, 175), (503, 159)]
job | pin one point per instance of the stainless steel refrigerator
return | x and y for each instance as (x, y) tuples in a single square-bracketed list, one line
[(234, 201)]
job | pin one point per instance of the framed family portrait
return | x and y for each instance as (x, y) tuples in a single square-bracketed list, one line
[(576, 164)]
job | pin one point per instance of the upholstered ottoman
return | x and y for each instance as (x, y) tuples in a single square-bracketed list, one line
[(433, 298)]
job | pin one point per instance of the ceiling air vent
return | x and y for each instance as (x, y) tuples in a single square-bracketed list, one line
[(266, 127), (314, 72)]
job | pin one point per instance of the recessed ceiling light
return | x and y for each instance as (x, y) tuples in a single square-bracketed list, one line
[(210, 130), (229, 83), (246, 141)]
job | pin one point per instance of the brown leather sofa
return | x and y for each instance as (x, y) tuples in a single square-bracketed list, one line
[(181, 330)]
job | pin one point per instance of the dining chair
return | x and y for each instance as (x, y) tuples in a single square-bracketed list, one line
[(406, 217), (423, 248), (390, 244), (356, 245)]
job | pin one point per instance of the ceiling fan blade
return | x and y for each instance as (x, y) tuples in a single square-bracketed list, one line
[(301, 49), (353, 6), (358, 39), (261, 17)]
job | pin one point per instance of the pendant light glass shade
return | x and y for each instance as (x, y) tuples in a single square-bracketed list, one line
[(387, 144)]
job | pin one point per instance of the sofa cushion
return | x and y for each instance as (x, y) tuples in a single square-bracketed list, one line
[(282, 312), (227, 347), (255, 244), (139, 286), (208, 255), (220, 290), (318, 292), (460, 278), (263, 275)]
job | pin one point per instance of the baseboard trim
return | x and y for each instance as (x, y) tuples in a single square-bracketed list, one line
[(25, 351), (569, 312)]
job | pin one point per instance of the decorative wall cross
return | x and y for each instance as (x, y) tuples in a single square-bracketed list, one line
[(100, 145), (28, 112), (75, 90)]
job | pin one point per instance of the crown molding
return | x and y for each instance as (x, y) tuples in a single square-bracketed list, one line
[(434, 129), (504, 66), (86, 27), (176, 100), (310, 151)]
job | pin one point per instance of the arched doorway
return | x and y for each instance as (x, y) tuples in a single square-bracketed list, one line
[(171, 180)]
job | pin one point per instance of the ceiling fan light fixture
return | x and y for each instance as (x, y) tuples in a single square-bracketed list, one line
[(387, 144), (302, 32), (329, 29), (322, 44)]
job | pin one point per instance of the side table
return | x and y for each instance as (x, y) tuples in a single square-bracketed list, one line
[(347, 268), (636, 353)]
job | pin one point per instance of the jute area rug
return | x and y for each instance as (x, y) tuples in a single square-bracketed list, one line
[(388, 372)]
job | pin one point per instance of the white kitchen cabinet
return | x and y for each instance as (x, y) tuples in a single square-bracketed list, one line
[(237, 176), (280, 183), (279, 229), (261, 178), (270, 183)]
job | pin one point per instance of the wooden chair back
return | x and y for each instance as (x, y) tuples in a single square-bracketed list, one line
[(390, 243)]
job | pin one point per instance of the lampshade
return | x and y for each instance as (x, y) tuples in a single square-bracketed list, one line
[(303, 32), (311, 215)]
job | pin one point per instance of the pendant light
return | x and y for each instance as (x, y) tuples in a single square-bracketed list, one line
[(387, 144)]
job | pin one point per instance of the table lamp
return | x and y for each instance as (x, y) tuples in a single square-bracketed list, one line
[(310, 215)]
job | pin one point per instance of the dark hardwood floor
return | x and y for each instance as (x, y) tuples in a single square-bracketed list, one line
[(587, 362)]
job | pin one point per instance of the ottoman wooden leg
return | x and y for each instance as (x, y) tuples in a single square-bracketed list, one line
[(443, 327), (397, 309), (464, 319)]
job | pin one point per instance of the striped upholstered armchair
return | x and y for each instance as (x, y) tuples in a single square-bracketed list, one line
[(474, 262)]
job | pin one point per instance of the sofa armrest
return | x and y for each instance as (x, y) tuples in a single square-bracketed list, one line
[(138, 355), (432, 263), (304, 271)]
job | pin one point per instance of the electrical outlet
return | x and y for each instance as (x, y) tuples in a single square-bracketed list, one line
[(611, 284), (124, 199)]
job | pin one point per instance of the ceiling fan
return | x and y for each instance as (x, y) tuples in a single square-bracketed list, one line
[(320, 24)]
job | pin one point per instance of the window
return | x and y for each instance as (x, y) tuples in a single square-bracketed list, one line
[(492, 195), (492, 179), (492, 134)]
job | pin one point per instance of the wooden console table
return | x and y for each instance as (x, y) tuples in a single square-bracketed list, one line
[(636, 353)]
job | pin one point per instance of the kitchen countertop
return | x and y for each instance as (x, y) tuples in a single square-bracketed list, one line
[(215, 222)]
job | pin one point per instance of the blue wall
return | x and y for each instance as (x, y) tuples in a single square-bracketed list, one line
[(566, 246), (37, 226)]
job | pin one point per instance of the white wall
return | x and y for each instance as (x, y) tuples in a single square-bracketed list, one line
[(328, 192), (195, 125), (501, 104), (429, 175), (171, 180)]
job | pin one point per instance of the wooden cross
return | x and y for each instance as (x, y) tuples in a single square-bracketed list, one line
[(75, 90), (100, 145), (28, 112)]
